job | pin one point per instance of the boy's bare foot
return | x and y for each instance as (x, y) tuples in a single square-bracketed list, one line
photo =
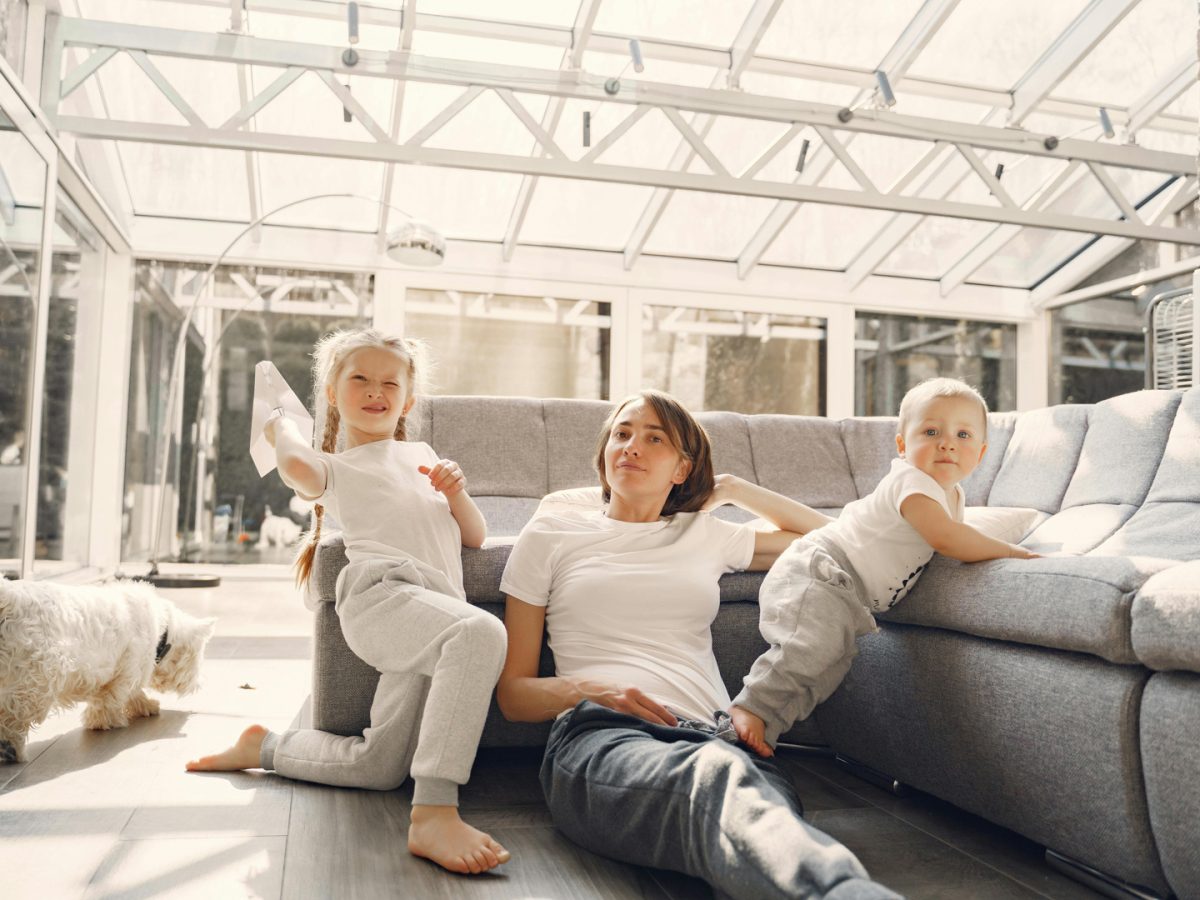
[(244, 754), (751, 730), (438, 834)]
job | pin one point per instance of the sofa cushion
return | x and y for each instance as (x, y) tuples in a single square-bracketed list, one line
[(1076, 603), (1040, 458), (870, 446), (484, 436), (1166, 619), (978, 485), (730, 438), (1004, 523), (1079, 529), (1178, 476), (802, 457), (1125, 434), (572, 430), (506, 516), (1170, 530)]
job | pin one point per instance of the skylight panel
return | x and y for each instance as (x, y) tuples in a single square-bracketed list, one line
[(993, 44), (821, 236), (187, 182), (460, 203), (560, 13), (857, 34), (712, 23), (285, 178), (568, 212), (707, 225)]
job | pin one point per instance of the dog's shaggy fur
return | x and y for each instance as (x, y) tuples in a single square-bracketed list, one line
[(63, 644)]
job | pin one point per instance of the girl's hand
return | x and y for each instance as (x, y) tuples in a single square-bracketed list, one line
[(269, 428), (723, 486), (750, 730), (630, 701), (446, 477)]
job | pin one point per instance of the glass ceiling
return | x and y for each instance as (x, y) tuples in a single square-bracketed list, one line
[(959, 63)]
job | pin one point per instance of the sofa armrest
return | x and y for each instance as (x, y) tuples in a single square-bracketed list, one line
[(1165, 619)]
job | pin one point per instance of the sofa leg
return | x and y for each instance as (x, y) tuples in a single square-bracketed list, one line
[(873, 776), (1097, 880)]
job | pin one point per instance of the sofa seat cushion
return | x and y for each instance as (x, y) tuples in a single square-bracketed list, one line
[(1166, 619), (506, 516), (1078, 603)]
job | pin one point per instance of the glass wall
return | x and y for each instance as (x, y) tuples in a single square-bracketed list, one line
[(23, 175), (747, 362), (508, 345), (69, 400), (215, 502), (894, 353)]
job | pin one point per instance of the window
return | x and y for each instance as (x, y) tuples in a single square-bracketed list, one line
[(745, 362), (894, 353), (506, 345)]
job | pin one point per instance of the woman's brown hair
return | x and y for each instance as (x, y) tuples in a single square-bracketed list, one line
[(329, 357), (686, 435)]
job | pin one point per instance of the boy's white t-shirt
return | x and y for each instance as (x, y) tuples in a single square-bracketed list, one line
[(389, 510), (632, 603), (888, 553)]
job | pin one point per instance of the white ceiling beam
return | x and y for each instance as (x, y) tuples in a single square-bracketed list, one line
[(1166, 91), (713, 57), (581, 33), (408, 24), (1125, 283), (997, 239), (588, 87), (1106, 249), (895, 63), (412, 153), (84, 70), (1076, 41), (741, 54)]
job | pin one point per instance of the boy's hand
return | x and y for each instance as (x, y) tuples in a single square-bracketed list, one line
[(750, 731), (446, 477), (1019, 552)]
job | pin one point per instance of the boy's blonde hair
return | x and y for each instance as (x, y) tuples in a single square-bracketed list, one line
[(329, 357), (940, 387)]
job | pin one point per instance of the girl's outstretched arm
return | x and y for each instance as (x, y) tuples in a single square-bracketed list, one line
[(300, 466), (791, 517)]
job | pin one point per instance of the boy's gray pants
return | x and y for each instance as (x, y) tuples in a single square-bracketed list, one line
[(811, 609), (685, 800), (438, 659)]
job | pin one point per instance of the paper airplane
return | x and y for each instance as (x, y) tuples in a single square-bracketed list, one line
[(272, 395)]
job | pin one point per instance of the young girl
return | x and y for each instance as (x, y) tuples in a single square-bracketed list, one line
[(405, 516)]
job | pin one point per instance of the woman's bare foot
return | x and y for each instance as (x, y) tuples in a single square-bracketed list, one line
[(244, 754), (438, 834)]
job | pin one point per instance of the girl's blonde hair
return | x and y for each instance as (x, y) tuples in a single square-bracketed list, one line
[(685, 434), (329, 357)]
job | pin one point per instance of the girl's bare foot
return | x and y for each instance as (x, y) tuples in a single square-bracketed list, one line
[(244, 754), (438, 834)]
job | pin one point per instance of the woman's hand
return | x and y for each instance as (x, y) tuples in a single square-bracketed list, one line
[(446, 477), (630, 701), (724, 486)]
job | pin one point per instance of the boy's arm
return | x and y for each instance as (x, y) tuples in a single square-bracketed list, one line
[(955, 539), (300, 466)]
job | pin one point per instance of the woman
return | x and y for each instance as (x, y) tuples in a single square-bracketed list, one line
[(642, 763)]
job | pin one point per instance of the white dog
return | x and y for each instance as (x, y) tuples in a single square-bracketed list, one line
[(277, 531), (102, 644)]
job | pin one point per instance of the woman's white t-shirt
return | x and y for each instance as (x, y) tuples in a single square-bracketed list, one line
[(389, 510), (632, 603)]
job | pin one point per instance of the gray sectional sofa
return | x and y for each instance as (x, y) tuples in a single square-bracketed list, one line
[(1058, 697)]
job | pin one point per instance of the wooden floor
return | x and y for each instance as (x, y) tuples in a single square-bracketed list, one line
[(114, 815)]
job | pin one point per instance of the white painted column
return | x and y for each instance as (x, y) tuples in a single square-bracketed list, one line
[(388, 303), (1033, 362), (112, 411), (839, 363)]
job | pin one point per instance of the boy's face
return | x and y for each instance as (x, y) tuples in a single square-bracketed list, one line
[(944, 439)]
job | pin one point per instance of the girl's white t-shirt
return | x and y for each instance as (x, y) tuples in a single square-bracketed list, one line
[(887, 553), (632, 603), (389, 510)]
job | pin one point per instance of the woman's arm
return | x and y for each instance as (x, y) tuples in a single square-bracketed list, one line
[(300, 466), (791, 517), (955, 539), (524, 697), (448, 478)]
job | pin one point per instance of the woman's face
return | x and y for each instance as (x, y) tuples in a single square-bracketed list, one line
[(639, 459)]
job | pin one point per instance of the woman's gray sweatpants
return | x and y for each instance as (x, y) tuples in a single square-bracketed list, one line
[(438, 659), (811, 609)]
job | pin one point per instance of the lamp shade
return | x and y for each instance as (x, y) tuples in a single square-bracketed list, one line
[(416, 243)]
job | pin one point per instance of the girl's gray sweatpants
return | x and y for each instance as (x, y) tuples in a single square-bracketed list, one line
[(438, 659)]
